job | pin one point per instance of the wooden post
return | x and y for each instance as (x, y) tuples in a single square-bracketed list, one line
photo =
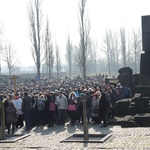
[(85, 121), (2, 127), (14, 79)]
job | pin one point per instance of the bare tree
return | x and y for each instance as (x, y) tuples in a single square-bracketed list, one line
[(35, 21), (76, 59), (10, 58), (84, 30), (137, 48), (58, 62), (115, 52), (129, 52), (123, 45), (92, 58), (107, 49), (69, 55), (49, 56), (1, 32)]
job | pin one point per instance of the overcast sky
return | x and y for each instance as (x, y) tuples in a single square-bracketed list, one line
[(104, 15)]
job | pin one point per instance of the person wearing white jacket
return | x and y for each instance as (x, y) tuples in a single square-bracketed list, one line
[(62, 105), (17, 101)]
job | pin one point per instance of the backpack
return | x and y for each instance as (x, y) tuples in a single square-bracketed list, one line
[(40, 105), (52, 106)]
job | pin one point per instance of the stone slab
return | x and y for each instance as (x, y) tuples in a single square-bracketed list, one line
[(93, 138), (13, 138)]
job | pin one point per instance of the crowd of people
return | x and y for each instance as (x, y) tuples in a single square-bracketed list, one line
[(53, 103)]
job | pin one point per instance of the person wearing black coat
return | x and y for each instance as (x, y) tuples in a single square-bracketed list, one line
[(12, 115), (103, 107), (50, 113), (26, 109)]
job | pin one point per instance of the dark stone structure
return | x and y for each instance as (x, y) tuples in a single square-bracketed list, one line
[(126, 76), (146, 33), (144, 78), (135, 112)]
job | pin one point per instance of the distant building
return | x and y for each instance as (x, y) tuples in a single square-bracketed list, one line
[(43, 75)]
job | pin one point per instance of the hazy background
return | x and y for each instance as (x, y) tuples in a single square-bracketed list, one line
[(63, 17)]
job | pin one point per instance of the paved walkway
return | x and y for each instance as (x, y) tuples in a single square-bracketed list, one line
[(43, 138)]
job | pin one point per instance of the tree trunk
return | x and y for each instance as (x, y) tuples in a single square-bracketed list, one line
[(84, 71), (109, 71), (38, 71), (70, 71), (85, 122), (50, 73)]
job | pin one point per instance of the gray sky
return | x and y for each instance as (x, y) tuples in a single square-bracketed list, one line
[(104, 15)]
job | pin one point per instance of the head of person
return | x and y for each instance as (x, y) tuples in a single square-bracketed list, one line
[(119, 85), (72, 95), (60, 93), (25, 93), (85, 90), (16, 95), (97, 93), (11, 104)]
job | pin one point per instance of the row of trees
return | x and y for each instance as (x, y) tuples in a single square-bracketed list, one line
[(35, 20), (119, 48), (122, 50)]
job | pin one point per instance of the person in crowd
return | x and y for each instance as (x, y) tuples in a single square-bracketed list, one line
[(50, 108), (111, 99), (62, 105), (72, 102), (40, 110), (54, 96), (17, 100), (34, 110), (89, 96), (77, 92), (26, 108), (103, 109), (80, 105), (118, 92), (95, 106), (5, 103), (127, 91), (12, 115)]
